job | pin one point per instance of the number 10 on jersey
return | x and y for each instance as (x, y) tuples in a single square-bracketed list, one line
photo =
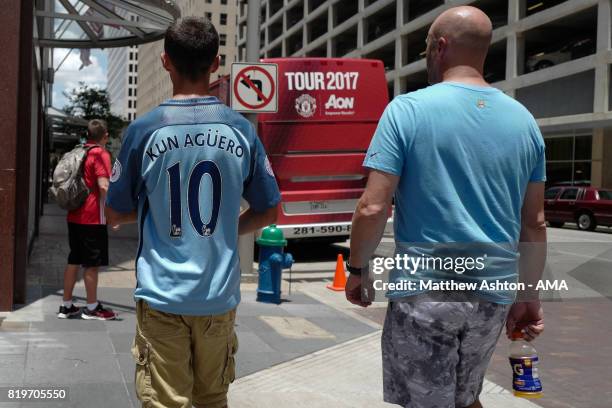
[(196, 175)]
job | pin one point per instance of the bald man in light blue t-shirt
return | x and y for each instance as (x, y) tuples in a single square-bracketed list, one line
[(465, 164)]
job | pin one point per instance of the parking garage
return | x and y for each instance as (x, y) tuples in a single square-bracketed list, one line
[(343, 10), (380, 23), (563, 40), (414, 45), (495, 64), (386, 54), (415, 8), (549, 54), (345, 42), (317, 27)]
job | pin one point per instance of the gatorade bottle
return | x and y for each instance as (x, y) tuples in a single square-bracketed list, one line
[(524, 361)]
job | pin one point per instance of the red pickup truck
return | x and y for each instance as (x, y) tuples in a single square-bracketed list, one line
[(588, 207)]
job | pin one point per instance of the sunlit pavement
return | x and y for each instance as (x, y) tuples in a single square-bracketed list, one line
[(313, 350), (575, 350)]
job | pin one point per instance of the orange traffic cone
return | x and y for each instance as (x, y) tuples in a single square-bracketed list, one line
[(340, 276)]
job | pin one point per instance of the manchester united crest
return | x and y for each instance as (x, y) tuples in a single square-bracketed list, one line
[(305, 105)]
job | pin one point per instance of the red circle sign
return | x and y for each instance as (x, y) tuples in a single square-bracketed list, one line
[(265, 99)]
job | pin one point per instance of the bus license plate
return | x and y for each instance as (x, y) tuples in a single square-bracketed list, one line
[(318, 205), (322, 230)]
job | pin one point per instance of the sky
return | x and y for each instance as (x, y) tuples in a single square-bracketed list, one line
[(68, 76)]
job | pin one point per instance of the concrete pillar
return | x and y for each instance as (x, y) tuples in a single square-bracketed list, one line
[(284, 41), (596, 158), (606, 162), (305, 41), (361, 28), (602, 69), (330, 26), (246, 242), (515, 46), (399, 51), (601, 165)]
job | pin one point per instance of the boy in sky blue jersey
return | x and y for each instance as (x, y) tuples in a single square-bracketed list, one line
[(181, 173)]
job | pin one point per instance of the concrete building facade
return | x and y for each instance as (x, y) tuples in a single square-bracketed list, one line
[(154, 84), (121, 77), (554, 56)]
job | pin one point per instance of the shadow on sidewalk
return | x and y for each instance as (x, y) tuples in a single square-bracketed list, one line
[(48, 258)]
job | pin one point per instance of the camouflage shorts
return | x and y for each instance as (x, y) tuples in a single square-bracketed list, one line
[(436, 349)]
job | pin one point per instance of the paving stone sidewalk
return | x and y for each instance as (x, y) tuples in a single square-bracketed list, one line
[(304, 352)]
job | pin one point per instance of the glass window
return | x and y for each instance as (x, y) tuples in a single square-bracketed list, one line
[(551, 193), (223, 19), (223, 1), (222, 39), (557, 173), (582, 173), (222, 59), (208, 16), (559, 148), (583, 148), (605, 194), (569, 194)]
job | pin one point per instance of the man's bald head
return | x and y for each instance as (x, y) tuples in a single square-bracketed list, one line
[(459, 36)]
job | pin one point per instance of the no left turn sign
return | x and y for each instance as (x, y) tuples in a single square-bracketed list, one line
[(254, 87)]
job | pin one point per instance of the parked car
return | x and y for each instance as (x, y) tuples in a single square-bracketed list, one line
[(588, 207), (573, 50)]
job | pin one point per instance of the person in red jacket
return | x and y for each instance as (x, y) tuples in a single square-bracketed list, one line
[(87, 233)]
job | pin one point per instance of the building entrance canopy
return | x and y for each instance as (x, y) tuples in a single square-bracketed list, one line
[(103, 23)]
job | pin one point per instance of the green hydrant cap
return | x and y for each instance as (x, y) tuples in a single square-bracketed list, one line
[(272, 236)]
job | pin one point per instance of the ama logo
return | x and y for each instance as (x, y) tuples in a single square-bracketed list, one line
[(335, 102)]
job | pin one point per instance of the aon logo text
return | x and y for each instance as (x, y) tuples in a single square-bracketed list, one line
[(335, 102)]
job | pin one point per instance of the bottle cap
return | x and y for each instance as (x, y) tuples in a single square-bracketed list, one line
[(517, 334)]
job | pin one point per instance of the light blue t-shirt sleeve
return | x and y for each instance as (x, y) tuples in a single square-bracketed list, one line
[(125, 179), (538, 174), (260, 188), (386, 151)]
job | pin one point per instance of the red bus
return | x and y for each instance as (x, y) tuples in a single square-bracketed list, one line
[(316, 142)]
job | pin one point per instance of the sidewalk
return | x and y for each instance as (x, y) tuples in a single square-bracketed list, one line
[(314, 350)]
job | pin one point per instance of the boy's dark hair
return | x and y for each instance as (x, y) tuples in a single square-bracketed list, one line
[(96, 129), (192, 43)]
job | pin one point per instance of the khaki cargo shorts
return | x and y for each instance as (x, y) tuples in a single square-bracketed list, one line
[(183, 360)]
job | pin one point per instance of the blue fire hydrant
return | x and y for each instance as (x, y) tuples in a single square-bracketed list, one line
[(272, 261)]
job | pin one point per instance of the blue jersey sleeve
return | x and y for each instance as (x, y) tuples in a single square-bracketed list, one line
[(260, 188), (386, 151), (538, 174), (125, 179)]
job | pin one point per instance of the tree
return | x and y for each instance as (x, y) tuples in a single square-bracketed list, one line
[(93, 103)]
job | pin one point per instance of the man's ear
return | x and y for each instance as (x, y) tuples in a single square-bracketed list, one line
[(166, 63), (215, 65), (442, 45)]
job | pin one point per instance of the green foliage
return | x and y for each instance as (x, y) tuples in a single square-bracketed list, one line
[(93, 103)]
